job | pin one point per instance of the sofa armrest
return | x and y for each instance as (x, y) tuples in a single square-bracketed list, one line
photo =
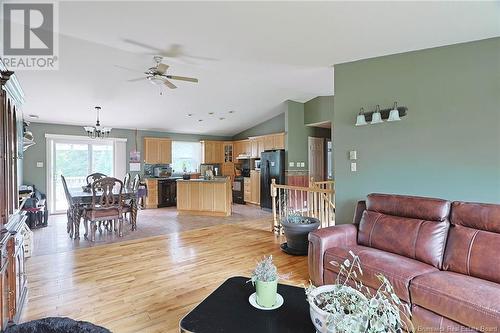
[(322, 239)]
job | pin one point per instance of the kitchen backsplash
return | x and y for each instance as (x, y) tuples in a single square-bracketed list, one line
[(148, 168)]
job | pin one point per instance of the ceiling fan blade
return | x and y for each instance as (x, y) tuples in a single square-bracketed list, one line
[(182, 78), (129, 69), (137, 79), (170, 84), (149, 47), (161, 68)]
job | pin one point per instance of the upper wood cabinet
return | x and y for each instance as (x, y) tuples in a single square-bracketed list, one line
[(241, 147), (157, 150), (279, 141), (259, 144), (228, 148), (212, 151)]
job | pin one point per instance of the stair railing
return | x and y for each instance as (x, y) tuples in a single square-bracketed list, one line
[(313, 201)]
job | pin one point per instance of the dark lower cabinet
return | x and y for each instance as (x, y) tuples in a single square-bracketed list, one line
[(167, 192)]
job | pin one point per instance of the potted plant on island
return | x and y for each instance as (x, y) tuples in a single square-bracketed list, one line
[(297, 228), (349, 307), (265, 279)]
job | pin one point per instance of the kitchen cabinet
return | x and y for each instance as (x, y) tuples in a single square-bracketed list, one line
[(268, 142), (254, 147), (241, 147), (152, 198), (279, 141), (247, 192), (260, 146), (255, 187), (228, 152), (157, 150), (212, 151)]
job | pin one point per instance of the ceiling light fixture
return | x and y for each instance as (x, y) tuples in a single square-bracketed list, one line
[(189, 114), (200, 120), (33, 116), (360, 119), (211, 113), (376, 116), (222, 118), (97, 131), (232, 111), (394, 114)]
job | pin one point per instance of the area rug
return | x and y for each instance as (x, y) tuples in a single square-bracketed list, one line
[(56, 325)]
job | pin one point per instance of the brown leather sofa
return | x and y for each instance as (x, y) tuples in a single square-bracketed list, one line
[(442, 258)]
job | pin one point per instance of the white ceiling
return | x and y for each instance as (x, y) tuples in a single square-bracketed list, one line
[(267, 52)]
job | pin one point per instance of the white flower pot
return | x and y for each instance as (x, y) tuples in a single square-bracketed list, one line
[(321, 318)]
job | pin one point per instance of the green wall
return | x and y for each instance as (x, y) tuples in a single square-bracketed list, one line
[(38, 153), (297, 134), (273, 125), (449, 144), (318, 110)]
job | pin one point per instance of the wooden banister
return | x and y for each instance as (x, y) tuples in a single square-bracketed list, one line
[(313, 201)]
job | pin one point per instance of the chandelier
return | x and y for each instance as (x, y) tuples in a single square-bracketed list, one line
[(97, 131)]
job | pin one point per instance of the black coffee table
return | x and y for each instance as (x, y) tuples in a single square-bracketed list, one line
[(227, 310)]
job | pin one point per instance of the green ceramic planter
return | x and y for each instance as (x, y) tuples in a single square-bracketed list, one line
[(266, 293)]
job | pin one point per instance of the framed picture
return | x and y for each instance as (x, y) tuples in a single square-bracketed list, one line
[(135, 156)]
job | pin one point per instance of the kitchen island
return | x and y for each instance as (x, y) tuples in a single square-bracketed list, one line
[(204, 197)]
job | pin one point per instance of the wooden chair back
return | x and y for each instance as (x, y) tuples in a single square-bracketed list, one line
[(66, 191), (94, 176), (126, 180), (111, 196), (135, 182)]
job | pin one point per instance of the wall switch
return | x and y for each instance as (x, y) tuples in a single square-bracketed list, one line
[(353, 155), (39, 164), (291, 164), (354, 167)]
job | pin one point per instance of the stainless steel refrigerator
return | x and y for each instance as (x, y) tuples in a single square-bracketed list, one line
[(272, 165)]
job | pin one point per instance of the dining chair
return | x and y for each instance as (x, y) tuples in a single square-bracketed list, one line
[(126, 180), (107, 204), (94, 176), (127, 206), (70, 211)]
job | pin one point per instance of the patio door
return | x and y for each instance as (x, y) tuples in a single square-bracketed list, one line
[(75, 159)]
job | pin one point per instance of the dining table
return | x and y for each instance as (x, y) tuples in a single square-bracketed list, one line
[(82, 199)]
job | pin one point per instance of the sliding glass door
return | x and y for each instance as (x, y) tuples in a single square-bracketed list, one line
[(75, 159)]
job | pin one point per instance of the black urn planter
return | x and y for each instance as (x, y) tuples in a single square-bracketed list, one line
[(296, 234)]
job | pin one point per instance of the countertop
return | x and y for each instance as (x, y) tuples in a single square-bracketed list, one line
[(163, 178), (216, 180)]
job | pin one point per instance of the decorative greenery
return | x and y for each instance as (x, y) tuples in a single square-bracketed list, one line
[(298, 219), (357, 310), (266, 271), (292, 215)]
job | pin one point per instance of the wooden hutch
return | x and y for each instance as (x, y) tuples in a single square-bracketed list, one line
[(13, 283)]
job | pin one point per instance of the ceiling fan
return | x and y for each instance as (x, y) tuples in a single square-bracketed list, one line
[(157, 75)]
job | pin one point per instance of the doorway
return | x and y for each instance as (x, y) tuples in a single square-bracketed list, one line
[(74, 159), (316, 158)]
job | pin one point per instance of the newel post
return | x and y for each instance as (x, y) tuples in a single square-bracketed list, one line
[(273, 196)]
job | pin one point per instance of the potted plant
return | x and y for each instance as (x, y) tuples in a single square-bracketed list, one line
[(265, 279), (297, 229), (349, 307)]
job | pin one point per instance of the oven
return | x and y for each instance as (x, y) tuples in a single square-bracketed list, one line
[(239, 190)]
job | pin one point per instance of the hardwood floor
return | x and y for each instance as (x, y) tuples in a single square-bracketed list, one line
[(149, 284), (150, 222)]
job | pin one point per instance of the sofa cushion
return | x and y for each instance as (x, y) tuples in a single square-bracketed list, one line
[(430, 322), (467, 300), (397, 269), (420, 208), (474, 241), (413, 227)]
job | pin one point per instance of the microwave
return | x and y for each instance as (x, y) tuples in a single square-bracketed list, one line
[(257, 164)]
